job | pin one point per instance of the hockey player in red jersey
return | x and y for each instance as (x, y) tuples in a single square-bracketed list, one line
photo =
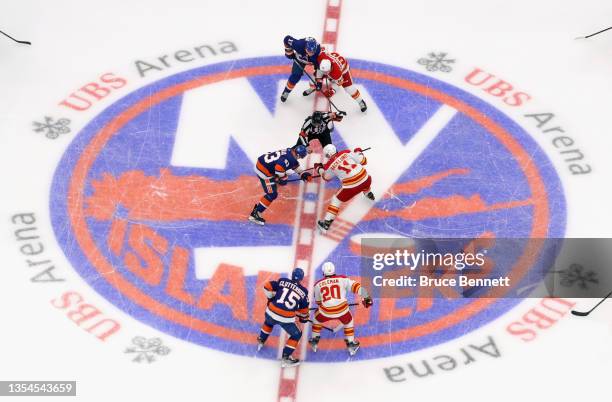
[(348, 167), (330, 295), (336, 68)]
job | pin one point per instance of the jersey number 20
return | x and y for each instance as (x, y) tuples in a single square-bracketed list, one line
[(330, 292)]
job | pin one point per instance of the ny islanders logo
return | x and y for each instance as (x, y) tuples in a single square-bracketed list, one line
[(150, 201)]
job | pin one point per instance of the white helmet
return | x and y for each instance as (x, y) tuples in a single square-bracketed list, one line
[(325, 66), (328, 268), (329, 150)]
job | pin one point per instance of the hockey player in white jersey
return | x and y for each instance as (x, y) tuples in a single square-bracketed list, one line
[(330, 295), (348, 167)]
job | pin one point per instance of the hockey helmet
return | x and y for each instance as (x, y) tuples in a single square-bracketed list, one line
[(325, 66), (297, 274), (328, 268), (329, 150), (300, 151), (311, 45), (317, 118)]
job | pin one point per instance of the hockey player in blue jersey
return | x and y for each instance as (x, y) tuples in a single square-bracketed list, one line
[(303, 52), (271, 169), (287, 300)]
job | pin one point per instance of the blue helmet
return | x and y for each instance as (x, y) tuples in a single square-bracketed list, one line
[(311, 45), (300, 151), (297, 274)]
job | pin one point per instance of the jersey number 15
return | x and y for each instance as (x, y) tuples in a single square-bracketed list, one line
[(291, 299)]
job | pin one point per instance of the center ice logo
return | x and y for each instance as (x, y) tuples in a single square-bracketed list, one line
[(150, 200)]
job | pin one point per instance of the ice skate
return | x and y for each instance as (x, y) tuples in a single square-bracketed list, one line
[(260, 343), (370, 195), (324, 225), (289, 361), (314, 343), (284, 95), (256, 218), (363, 105), (352, 347)]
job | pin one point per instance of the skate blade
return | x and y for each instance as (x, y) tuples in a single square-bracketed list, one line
[(352, 352), (322, 230), (287, 365), (255, 221)]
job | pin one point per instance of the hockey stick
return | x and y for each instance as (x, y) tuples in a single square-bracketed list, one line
[(350, 305), (593, 34), (342, 112), (314, 177), (25, 42), (323, 326), (292, 180), (585, 313)]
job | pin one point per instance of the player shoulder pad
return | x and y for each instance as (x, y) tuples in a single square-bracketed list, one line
[(320, 280), (303, 288), (333, 158)]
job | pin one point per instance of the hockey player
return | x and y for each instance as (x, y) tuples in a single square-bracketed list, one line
[(330, 295), (318, 127), (304, 52), (336, 68), (271, 168), (348, 167), (287, 300)]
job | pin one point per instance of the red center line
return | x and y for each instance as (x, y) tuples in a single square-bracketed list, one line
[(306, 217)]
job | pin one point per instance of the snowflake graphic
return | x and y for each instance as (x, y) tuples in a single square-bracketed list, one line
[(437, 62), (575, 275), (53, 128), (146, 349)]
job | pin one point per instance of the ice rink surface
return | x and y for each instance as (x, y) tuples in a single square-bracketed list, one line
[(128, 135)]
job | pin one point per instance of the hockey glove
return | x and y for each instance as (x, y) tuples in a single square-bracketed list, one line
[(367, 302), (329, 92), (358, 150), (336, 117), (281, 181), (318, 167), (303, 320), (306, 177)]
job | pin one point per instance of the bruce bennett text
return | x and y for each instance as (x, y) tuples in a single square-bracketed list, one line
[(426, 281)]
